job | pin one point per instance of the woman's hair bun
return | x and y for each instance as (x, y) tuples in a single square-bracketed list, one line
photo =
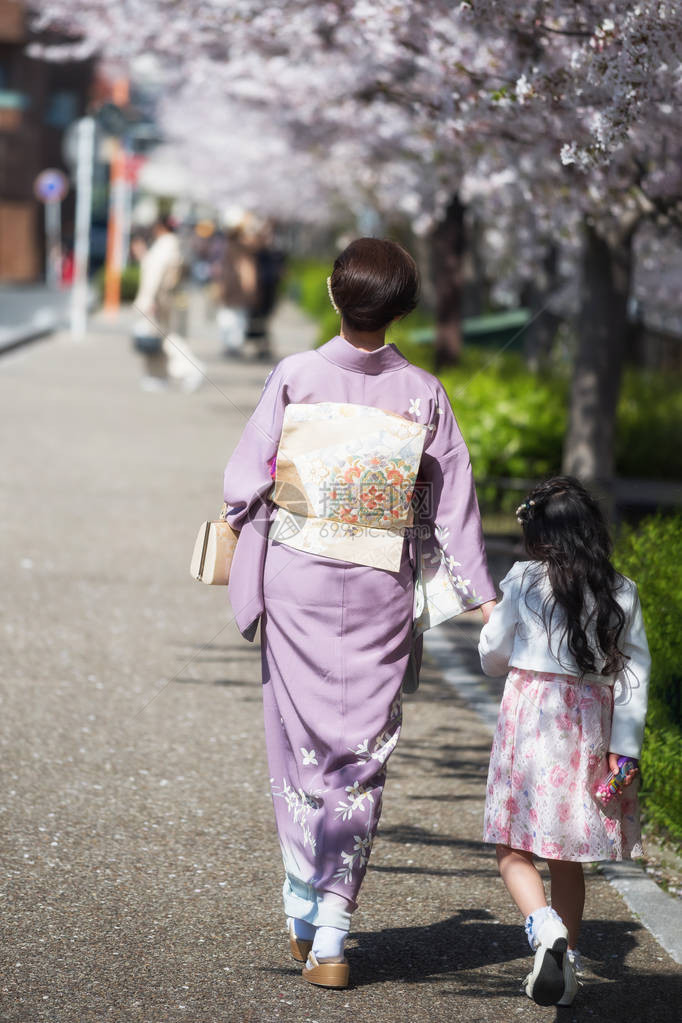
[(374, 281)]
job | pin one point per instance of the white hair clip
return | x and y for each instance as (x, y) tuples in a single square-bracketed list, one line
[(331, 296), (522, 510)]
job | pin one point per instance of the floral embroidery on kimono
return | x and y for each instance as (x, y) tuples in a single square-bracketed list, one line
[(354, 802), (441, 592), (300, 805), (358, 856), (385, 742)]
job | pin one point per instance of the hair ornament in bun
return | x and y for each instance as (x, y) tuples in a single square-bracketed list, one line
[(331, 297), (523, 512)]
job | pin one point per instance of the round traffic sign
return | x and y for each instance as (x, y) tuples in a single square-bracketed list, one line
[(51, 185)]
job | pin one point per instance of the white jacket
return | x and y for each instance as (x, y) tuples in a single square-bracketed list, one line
[(160, 273), (515, 637)]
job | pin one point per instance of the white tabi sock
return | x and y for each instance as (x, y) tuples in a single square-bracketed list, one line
[(302, 929), (534, 922), (328, 942)]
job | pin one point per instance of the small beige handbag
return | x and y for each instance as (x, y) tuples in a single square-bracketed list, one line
[(213, 551)]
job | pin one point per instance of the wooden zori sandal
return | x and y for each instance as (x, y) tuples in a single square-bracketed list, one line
[(326, 972), (298, 947)]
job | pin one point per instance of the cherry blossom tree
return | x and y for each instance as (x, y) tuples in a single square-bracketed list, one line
[(598, 85), (557, 119), (355, 90)]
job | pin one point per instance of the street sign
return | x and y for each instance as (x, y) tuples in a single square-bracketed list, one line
[(50, 186)]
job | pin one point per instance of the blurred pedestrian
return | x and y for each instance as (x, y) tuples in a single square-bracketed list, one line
[(165, 354), (67, 266), (238, 287), (269, 266)]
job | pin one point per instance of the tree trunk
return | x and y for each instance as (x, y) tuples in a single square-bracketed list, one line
[(541, 330), (476, 284), (603, 334), (447, 245)]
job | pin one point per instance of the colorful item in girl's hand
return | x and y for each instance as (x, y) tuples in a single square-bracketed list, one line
[(613, 784), (273, 467)]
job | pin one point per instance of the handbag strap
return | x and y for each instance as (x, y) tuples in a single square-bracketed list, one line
[(223, 512)]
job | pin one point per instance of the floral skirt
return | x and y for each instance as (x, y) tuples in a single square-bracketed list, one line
[(549, 753)]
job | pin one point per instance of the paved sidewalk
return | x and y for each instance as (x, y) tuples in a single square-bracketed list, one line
[(141, 873), (30, 311)]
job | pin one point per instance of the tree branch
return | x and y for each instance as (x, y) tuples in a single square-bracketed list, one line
[(574, 32)]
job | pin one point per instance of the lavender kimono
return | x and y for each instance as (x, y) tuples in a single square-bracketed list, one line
[(343, 580)]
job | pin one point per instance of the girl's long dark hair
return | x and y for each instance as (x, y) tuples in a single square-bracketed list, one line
[(563, 527)]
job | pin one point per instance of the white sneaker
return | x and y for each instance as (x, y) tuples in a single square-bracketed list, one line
[(576, 960), (545, 984), (152, 384), (570, 982), (192, 382)]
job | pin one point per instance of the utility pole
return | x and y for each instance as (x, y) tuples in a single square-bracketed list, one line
[(85, 152)]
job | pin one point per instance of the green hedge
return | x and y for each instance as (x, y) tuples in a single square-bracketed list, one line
[(306, 283), (651, 554), (514, 420), (649, 425), (130, 282)]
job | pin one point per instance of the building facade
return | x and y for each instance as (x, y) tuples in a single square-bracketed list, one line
[(38, 101)]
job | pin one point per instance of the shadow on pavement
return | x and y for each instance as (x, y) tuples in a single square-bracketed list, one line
[(423, 955), (435, 872), (413, 834), (461, 945), (454, 953), (216, 682)]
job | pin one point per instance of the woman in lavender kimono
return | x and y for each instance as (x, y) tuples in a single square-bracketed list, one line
[(343, 579)]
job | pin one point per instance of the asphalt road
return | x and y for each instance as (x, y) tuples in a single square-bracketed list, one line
[(141, 875)]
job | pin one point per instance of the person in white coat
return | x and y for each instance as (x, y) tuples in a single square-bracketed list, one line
[(567, 632), (161, 268)]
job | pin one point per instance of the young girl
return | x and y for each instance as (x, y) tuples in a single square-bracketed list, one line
[(566, 630)]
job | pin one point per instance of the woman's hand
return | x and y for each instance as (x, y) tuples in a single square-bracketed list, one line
[(613, 766)]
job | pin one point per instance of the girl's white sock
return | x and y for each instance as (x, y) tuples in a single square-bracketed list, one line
[(534, 922), (328, 942), (302, 929)]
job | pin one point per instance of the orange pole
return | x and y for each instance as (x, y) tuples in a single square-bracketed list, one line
[(114, 263)]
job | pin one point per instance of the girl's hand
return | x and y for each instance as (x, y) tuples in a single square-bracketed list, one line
[(613, 766), (487, 609)]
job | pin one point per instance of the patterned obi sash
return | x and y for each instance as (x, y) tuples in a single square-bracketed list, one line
[(344, 479)]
